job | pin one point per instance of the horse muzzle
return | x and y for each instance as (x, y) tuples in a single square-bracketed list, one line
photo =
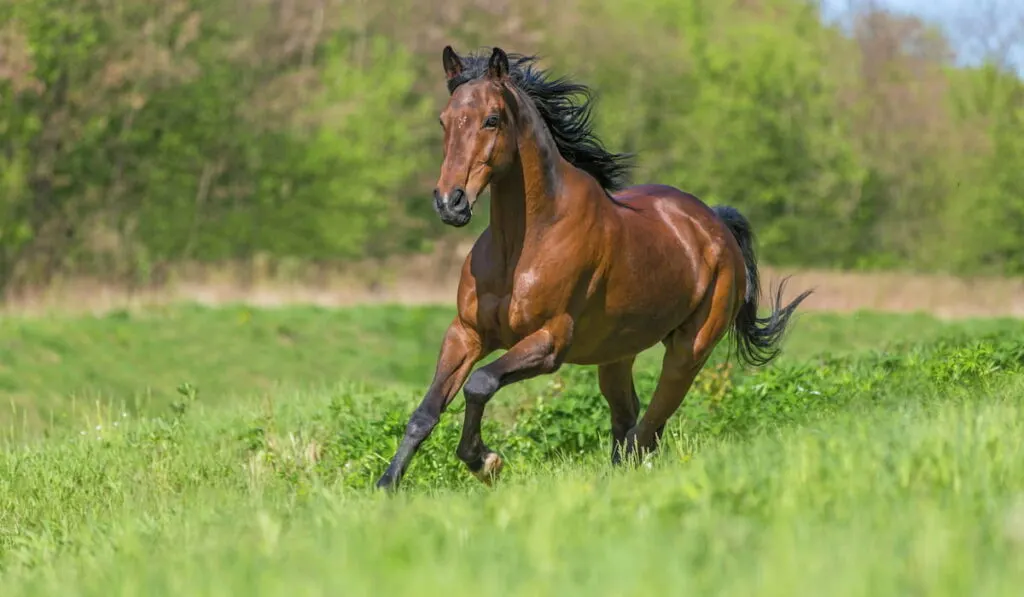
[(453, 207)]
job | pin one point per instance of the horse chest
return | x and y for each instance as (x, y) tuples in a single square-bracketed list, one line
[(524, 308)]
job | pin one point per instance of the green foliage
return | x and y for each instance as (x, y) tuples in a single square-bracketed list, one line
[(129, 149), (339, 185), (141, 135)]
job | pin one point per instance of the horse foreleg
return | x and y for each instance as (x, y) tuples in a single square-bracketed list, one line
[(537, 354), (460, 350)]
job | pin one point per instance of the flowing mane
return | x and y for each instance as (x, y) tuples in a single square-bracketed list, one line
[(567, 117)]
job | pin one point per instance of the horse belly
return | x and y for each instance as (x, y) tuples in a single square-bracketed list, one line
[(602, 340)]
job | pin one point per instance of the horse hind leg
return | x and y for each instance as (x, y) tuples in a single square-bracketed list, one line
[(687, 349), (616, 382)]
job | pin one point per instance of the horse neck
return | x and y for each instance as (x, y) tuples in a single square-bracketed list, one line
[(526, 198)]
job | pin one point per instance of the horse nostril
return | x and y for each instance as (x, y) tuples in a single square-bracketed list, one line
[(457, 199), (437, 200)]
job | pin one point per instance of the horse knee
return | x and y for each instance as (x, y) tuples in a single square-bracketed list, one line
[(480, 387)]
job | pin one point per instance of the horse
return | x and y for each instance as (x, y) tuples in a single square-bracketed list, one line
[(575, 266)]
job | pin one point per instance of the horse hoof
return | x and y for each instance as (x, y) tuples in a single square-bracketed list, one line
[(387, 484), (491, 468)]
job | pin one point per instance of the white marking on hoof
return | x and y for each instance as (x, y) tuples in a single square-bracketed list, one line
[(491, 468)]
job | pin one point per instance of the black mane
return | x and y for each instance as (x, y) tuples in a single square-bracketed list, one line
[(566, 118)]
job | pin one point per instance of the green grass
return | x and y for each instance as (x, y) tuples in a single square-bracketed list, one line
[(881, 456), (58, 372), (64, 372)]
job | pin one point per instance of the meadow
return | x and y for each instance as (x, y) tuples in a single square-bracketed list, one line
[(186, 450)]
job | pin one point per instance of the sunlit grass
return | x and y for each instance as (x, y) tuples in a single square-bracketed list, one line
[(873, 473)]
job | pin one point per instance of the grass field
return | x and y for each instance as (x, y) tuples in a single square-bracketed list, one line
[(192, 451)]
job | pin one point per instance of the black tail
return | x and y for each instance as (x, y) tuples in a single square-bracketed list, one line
[(757, 338)]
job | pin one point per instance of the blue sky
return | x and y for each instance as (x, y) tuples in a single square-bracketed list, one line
[(930, 8), (971, 24)]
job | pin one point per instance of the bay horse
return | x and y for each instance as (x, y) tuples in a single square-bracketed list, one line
[(575, 266)]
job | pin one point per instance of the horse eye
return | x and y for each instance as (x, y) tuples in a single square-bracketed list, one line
[(491, 122)]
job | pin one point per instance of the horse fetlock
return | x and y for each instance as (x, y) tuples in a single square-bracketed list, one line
[(617, 448), (629, 448), (472, 453), (638, 445), (387, 482)]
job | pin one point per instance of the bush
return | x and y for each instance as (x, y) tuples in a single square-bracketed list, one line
[(151, 134)]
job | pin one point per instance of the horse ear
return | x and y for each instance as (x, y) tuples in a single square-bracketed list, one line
[(452, 63), (497, 66)]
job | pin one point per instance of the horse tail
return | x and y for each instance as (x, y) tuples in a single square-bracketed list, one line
[(757, 338)]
